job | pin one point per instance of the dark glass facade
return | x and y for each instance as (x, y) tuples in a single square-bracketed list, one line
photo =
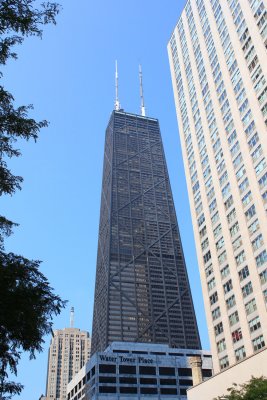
[(142, 292)]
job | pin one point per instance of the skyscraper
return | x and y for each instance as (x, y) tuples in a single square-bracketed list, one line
[(69, 351), (142, 292), (218, 61)]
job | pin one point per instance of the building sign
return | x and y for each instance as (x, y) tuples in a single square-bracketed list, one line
[(126, 359)]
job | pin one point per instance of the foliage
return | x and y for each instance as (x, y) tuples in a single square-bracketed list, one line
[(255, 389), (27, 302)]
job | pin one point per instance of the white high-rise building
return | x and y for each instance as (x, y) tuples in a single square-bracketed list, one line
[(69, 351), (218, 61)]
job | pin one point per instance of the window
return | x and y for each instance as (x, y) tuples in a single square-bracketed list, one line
[(237, 161), (225, 107), (205, 244), (253, 141), (201, 219), (220, 244), (243, 273), (223, 178), (207, 172), (250, 212), (230, 302), (237, 243), (228, 202), (264, 110), (216, 145), (262, 96), (210, 194), (260, 167), (228, 286), (219, 157), (203, 152), (243, 185), (263, 276), (216, 313), (184, 372), (215, 218), (107, 369), (127, 369), (240, 353), (233, 318), (258, 242), (254, 227), (263, 181), (199, 208), (232, 137), (217, 230), (247, 199), (194, 177), (167, 371), (221, 346), (221, 167), (246, 45), (205, 162), (208, 183), (256, 153), (207, 257), (247, 289), (125, 389), (225, 271), (235, 149), (253, 63), (211, 284), (195, 187), (212, 205), (251, 306), (218, 329), (213, 298), (201, 141), (254, 324), (240, 173), (203, 232), (237, 335), (224, 362), (226, 190), (250, 128), (208, 270), (258, 343), (264, 197), (243, 106), (231, 216), (240, 257), (260, 84), (147, 370), (261, 258), (197, 198), (222, 257), (235, 78)]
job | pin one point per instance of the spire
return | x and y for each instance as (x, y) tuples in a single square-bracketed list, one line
[(143, 110), (72, 317), (117, 103)]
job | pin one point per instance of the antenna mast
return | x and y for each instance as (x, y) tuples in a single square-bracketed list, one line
[(143, 110), (72, 317), (117, 103)]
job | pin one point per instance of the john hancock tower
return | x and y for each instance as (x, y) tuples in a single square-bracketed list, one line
[(142, 292)]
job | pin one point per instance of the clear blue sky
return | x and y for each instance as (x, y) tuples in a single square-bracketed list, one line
[(69, 77)]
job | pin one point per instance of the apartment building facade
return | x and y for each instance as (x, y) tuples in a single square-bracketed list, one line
[(218, 61)]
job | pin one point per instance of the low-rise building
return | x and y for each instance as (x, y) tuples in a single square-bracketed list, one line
[(137, 370)]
